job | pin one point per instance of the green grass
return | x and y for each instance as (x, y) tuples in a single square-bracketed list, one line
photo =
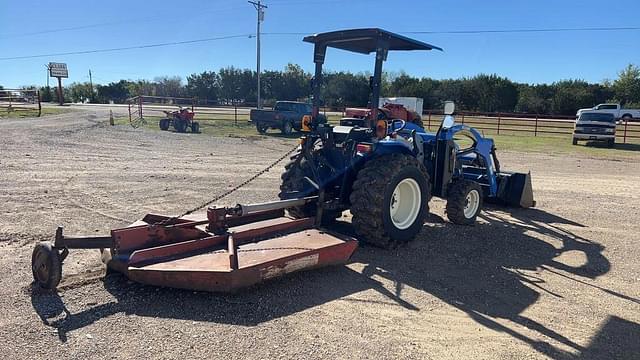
[(24, 113), (225, 126)]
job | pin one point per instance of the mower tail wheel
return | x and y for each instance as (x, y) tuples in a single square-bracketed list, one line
[(464, 202), (195, 127), (164, 124), (46, 266), (390, 200)]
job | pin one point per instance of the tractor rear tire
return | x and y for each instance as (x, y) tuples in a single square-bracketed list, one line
[(164, 124), (293, 181), (464, 202), (46, 266), (383, 214), (180, 125)]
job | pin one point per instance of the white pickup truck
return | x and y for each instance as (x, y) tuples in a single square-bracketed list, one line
[(614, 109)]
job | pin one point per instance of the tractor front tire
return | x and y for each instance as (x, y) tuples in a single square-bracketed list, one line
[(293, 182), (464, 202), (164, 124), (390, 200)]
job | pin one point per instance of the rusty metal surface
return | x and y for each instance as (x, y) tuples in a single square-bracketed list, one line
[(257, 262)]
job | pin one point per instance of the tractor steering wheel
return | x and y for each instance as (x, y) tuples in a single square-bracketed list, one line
[(402, 125)]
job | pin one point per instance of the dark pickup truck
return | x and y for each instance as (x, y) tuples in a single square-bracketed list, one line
[(286, 116)]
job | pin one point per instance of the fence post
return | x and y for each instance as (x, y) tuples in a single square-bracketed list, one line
[(39, 103), (499, 123), (235, 112), (535, 130), (429, 122), (624, 139), (140, 106), (462, 118), (129, 111)]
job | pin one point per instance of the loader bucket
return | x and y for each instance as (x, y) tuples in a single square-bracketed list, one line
[(514, 189)]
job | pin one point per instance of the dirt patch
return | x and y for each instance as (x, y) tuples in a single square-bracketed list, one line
[(558, 281)]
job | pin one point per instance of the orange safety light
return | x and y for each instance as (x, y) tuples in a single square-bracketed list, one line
[(381, 129)]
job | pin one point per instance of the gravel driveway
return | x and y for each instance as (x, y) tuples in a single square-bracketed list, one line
[(559, 281)]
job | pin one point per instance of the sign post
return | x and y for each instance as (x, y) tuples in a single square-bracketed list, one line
[(59, 70)]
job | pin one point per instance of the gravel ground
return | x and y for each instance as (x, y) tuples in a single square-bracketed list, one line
[(559, 281)]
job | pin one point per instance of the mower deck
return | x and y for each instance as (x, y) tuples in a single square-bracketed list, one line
[(227, 250)]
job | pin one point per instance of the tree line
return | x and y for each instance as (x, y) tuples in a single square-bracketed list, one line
[(486, 93)]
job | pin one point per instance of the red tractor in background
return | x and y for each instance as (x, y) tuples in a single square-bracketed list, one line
[(181, 119), (388, 111)]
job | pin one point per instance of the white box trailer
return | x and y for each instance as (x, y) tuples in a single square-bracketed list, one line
[(411, 103)]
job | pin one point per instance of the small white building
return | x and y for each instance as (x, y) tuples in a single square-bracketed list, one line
[(410, 103)]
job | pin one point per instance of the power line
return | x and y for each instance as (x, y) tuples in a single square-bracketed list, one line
[(129, 47), (524, 30), (498, 31), (454, 32)]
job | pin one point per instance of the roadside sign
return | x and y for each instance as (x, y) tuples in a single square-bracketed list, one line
[(58, 70)]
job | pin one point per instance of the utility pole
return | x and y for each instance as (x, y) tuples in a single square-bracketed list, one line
[(260, 9), (47, 67), (90, 86)]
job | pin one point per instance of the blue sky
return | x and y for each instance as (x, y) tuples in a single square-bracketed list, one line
[(523, 57)]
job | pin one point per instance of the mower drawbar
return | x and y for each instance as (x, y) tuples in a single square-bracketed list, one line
[(229, 249)]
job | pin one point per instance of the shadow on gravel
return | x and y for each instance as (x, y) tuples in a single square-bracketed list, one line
[(487, 270)]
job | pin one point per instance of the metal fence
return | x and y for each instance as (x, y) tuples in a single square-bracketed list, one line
[(153, 107), (527, 124), (211, 113), (20, 100)]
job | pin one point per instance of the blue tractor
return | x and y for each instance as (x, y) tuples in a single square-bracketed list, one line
[(385, 171)]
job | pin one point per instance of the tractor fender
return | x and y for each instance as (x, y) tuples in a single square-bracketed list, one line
[(385, 147)]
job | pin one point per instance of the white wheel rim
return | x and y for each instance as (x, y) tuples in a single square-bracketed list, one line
[(471, 204), (405, 203)]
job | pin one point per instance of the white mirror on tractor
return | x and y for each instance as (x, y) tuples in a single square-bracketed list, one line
[(449, 107)]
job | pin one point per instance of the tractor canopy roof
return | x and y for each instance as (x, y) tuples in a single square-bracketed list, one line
[(365, 41)]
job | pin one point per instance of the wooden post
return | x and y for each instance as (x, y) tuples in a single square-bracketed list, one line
[(535, 130), (462, 118), (624, 139), (499, 123), (429, 122), (39, 103), (60, 94), (235, 111)]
